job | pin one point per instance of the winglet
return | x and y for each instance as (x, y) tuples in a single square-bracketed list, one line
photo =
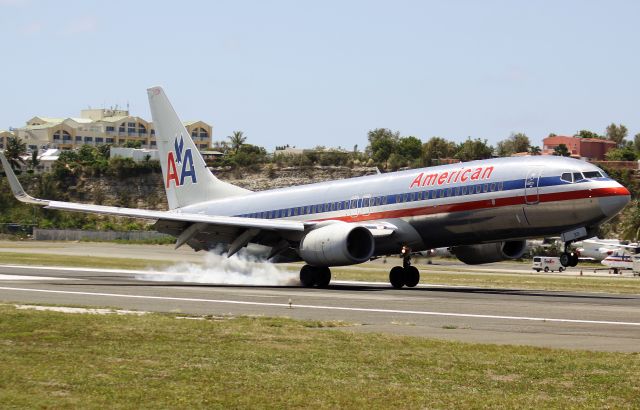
[(17, 189)]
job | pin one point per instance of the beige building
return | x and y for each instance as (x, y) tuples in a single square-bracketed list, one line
[(4, 136), (101, 126)]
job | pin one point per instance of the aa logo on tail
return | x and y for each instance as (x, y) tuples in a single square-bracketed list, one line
[(183, 158)]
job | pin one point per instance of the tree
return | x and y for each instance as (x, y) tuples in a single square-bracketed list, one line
[(636, 142), (629, 225), (562, 151), (474, 149), (34, 161), (535, 150), (617, 134), (587, 134), (621, 154), (14, 151), (515, 143), (437, 148), (133, 144), (410, 148), (237, 140), (382, 143)]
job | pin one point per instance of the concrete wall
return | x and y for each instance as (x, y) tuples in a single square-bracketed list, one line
[(79, 234)]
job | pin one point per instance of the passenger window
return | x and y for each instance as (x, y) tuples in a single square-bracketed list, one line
[(457, 191), (354, 203), (492, 187), (464, 190), (365, 201), (500, 186), (566, 177), (407, 197), (577, 176)]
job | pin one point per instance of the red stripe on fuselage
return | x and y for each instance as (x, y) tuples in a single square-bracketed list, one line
[(482, 204)]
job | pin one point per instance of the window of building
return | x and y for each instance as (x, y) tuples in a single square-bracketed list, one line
[(88, 139), (111, 129), (99, 139), (78, 138), (109, 140)]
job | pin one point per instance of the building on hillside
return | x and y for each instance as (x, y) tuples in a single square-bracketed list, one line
[(588, 148), (4, 137), (101, 126), (136, 154)]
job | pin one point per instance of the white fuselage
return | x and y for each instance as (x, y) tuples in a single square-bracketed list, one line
[(450, 205)]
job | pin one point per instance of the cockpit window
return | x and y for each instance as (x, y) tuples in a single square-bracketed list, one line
[(566, 177), (592, 174), (577, 176)]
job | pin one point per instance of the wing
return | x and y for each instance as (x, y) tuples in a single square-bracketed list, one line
[(200, 231)]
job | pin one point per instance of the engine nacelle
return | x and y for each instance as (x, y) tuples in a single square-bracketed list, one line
[(489, 252), (336, 245)]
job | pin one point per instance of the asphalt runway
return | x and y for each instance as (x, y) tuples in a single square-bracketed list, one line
[(591, 321)]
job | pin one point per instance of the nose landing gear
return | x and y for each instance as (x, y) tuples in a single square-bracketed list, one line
[(405, 275)]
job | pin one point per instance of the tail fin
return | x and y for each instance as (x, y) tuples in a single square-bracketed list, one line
[(187, 179)]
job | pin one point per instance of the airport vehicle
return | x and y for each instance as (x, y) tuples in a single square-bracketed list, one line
[(547, 263), (636, 265), (483, 210)]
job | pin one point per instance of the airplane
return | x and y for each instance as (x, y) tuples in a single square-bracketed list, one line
[(621, 257), (596, 249), (484, 211)]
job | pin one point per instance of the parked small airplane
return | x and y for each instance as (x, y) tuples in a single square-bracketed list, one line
[(482, 210), (596, 249)]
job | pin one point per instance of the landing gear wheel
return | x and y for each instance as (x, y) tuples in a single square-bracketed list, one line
[(565, 259), (396, 277), (573, 259), (323, 277), (411, 276), (307, 276)]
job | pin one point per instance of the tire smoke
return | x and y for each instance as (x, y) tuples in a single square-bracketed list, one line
[(240, 269)]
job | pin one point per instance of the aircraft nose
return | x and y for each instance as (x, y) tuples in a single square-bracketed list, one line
[(612, 204)]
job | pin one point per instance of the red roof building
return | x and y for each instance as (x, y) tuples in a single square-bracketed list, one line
[(589, 148)]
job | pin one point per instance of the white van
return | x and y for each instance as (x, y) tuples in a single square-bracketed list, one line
[(547, 263)]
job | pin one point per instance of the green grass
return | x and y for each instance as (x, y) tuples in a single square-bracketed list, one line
[(57, 360), (612, 284), (18, 258)]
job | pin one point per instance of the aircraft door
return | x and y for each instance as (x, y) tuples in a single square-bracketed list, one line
[(366, 204), (531, 184), (353, 206)]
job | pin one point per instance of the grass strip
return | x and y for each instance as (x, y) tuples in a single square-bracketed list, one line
[(58, 360)]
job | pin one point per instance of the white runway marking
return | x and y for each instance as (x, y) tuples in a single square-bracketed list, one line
[(20, 277), (296, 306)]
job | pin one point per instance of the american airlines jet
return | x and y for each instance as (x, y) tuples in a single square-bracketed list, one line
[(483, 210)]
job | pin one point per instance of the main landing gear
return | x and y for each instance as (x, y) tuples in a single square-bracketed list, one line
[(568, 258), (405, 275), (311, 276)]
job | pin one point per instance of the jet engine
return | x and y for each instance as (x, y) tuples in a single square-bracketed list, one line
[(336, 245), (489, 252)]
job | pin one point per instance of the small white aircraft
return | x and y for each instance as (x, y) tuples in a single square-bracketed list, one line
[(621, 258), (596, 249), (484, 211)]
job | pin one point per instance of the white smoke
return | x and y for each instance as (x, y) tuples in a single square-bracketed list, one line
[(240, 269)]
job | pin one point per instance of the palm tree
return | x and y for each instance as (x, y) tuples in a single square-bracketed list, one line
[(15, 148), (535, 150), (237, 140)]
